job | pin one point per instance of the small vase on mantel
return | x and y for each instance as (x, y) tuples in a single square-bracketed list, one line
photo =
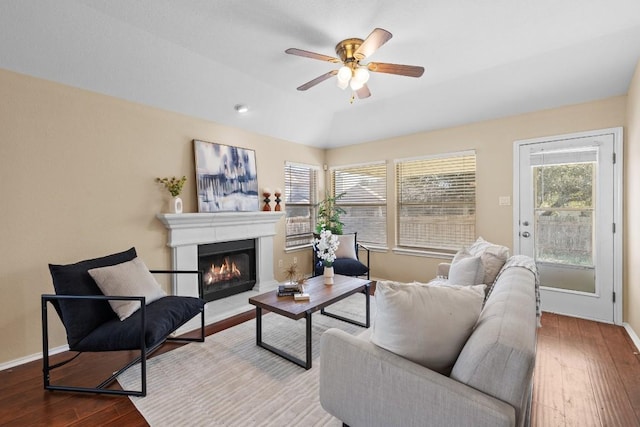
[(328, 275), (174, 187), (175, 205)]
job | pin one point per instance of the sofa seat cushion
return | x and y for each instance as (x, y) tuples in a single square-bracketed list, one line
[(425, 324), (163, 316)]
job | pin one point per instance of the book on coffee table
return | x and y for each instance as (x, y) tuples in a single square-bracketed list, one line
[(301, 297), (288, 290)]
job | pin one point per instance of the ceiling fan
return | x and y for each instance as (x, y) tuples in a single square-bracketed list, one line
[(353, 73)]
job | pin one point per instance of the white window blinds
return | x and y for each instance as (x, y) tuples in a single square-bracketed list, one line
[(364, 189), (301, 187), (436, 201)]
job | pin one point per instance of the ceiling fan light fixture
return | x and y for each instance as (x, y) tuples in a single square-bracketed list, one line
[(344, 74), (361, 75), (355, 84), (351, 72)]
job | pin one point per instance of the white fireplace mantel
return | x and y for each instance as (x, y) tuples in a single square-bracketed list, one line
[(188, 230), (201, 228)]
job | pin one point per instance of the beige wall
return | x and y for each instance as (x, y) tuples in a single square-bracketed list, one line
[(493, 141), (632, 205), (78, 168), (78, 173)]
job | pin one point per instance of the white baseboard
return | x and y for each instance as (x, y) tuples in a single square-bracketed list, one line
[(632, 334), (38, 356)]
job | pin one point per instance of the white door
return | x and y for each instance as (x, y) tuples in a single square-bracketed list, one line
[(567, 216)]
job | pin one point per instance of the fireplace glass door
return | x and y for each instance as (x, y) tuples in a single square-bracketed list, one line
[(228, 268)]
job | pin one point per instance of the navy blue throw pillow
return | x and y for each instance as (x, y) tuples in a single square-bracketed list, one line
[(81, 317)]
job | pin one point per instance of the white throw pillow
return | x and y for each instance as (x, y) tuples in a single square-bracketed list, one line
[(493, 258), (466, 269), (347, 247), (426, 324), (131, 278)]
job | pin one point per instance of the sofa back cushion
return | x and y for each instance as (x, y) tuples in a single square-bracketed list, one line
[(498, 358)]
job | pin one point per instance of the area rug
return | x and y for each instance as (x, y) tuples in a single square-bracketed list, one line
[(229, 381)]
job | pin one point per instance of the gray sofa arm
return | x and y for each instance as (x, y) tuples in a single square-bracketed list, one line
[(443, 270), (362, 384)]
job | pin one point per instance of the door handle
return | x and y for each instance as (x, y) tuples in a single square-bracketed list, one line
[(525, 234)]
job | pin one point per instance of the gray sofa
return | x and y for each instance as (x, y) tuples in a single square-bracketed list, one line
[(490, 384)]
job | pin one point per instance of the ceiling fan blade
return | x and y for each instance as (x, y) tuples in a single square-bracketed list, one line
[(363, 92), (312, 55), (317, 80), (403, 70), (377, 38)]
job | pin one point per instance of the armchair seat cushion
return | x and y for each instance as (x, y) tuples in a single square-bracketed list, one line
[(162, 317), (349, 267), (346, 267)]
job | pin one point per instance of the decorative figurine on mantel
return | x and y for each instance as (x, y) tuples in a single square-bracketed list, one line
[(277, 193), (174, 186), (266, 193)]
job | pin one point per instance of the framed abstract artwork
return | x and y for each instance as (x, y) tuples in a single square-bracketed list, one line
[(226, 177)]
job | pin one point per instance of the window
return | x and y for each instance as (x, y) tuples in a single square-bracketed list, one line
[(436, 201), (364, 200), (301, 187)]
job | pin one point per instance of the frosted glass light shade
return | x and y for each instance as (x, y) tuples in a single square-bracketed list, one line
[(361, 75), (344, 74), (356, 85)]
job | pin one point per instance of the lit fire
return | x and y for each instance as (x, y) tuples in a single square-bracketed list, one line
[(226, 271)]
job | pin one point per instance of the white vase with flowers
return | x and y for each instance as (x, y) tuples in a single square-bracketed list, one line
[(326, 247)]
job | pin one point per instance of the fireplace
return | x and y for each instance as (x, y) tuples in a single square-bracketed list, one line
[(188, 231), (228, 268)]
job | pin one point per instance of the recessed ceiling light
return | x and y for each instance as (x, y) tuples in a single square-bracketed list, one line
[(241, 108)]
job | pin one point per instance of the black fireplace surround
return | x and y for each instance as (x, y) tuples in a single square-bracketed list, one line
[(228, 268)]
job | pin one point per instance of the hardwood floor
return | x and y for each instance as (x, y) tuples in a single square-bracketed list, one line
[(587, 374)]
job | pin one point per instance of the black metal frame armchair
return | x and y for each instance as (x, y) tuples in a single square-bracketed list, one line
[(345, 266), (92, 326)]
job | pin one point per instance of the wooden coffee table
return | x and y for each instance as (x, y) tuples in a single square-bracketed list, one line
[(320, 296)]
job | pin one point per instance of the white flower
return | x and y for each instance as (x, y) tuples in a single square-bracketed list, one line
[(326, 247)]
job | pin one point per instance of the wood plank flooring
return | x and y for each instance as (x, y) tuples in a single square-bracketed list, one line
[(587, 374)]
